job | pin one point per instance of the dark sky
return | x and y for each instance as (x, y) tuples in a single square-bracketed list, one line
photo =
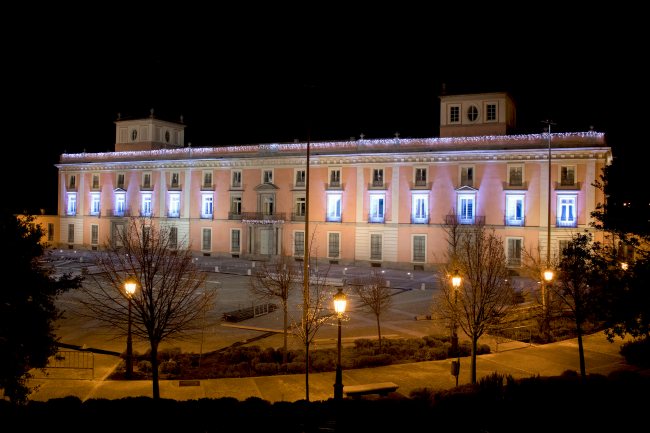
[(243, 77)]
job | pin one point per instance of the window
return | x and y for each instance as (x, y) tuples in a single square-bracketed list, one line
[(206, 205), (50, 232), (376, 208), (466, 176), (298, 244), (515, 175), (95, 181), (466, 205), (567, 175), (333, 245), (454, 114), (420, 208), (235, 240), (175, 182), (145, 207), (513, 255), (206, 239), (174, 205), (207, 179), (267, 176), (173, 237), (235, 205), (72, 204), (120, 204), (94, 203), (378, 177), (419, 248), (514, 209), (236, 179), (335, 178), (72, 182), (472, 113), (94, 234), (120, 180), (300, 177), (420, 176), (490, 112), (300, 206), (146, 180), (375, 247), (268, 202), (566, 215), (562, 245), (334, 207), (71, 233)]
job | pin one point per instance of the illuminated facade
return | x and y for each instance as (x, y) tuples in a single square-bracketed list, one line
[(383, 202)]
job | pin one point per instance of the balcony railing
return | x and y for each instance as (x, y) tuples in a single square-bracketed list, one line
[(207, 216), (297, 216), (207, 187), (514, 262), (118, 212), (334, 185), (515, 185), (234, 215), (420, 184), (375, 218), (263, 217), (512, 221), (377, 184), (566, 223), (300, 184), (173, 214), (419, 219), (566, 185), (457, 219), (333, 218)]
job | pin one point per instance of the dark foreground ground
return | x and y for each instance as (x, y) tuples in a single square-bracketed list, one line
[(566, 403)]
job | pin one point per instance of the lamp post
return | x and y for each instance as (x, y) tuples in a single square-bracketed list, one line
[(129, 288), (340, 302), (455, 365), (548, 123)]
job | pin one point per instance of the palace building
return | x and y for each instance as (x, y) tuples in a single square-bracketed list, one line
[(380, 202)]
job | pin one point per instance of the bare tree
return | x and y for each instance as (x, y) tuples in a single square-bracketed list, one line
[(171, 297), (484, 295), (275, 280), (374, 295)]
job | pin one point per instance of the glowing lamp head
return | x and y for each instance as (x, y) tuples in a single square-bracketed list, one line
[(624, 266), (129, 286), (455, 279), (340, 302), (548, 275)]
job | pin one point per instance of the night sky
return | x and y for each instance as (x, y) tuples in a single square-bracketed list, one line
[(272, 76)]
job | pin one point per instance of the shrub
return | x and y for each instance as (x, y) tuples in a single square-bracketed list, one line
[(372, 361), (169, 367), (637, 352), (266, 368), (144, 366), (296, 367)]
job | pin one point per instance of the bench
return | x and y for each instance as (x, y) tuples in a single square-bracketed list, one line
[(381, 388)]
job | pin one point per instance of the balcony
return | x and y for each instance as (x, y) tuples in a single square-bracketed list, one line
[(377, 184), (514, 221), (516, 186), (566, 223), (333, 218), (300, 216), (207, 216), (173, 214), (262, 217), (334, 185), (234, 215), (146, 187), (375, 218), (419, 219), (567, 185), (207, 187), (421, 184), (118, 212), (514, 262), (300, 184), (452, 220)]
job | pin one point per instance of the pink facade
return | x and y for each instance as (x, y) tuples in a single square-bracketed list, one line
[(383, 201)]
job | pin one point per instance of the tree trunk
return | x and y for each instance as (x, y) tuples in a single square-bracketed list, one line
[(379, 333), (286, 319), (473, 366), (307, 371), (581, 351), (154, 371)]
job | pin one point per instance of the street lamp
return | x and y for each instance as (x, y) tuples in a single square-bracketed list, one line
[(340, 302), (455, 365), (548, 277), (548, 123), (129, 288)]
